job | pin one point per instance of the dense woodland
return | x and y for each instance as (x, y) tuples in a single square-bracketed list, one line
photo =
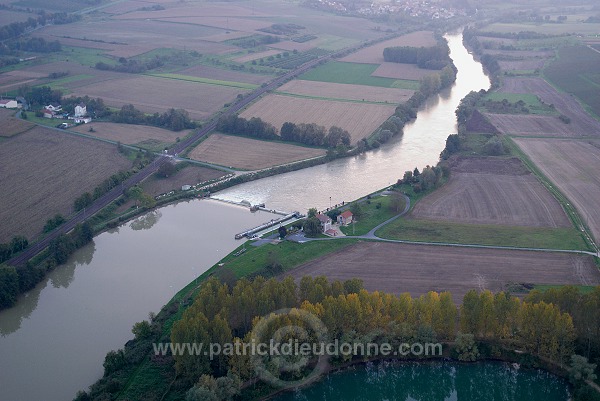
[(430, 58), (550, 326)]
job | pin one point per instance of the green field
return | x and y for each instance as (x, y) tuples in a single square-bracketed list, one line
[(206, 81), (445, 232), (532, 101), (288, 254), (586, 29), (375, 211), (348, 73), (575, 71)]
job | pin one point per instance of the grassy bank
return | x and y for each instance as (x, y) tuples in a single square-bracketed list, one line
[(483, 234), (374, 212)]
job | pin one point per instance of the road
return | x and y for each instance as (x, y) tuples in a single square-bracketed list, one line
[(112, 195)]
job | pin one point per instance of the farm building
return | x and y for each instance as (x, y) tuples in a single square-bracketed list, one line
[(80, 110), (82, 120), (54, 107), (48, 113), (325, 221), (8, 103), (345, 218)]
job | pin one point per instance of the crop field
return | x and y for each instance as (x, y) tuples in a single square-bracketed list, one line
[(527, 64), (401, 71), (153, 94), (492, 191), (532, 125), (574, 70), (220, 74), (249, 154), (255, 56), (359, 119), (289, 45), (374, 54), (417, 269), (532, 102), (10, 125), (573, 167), (347, 73), (190, 175), (581, 121), (129, 134), (44, 171), (346, 91), (587, 29)]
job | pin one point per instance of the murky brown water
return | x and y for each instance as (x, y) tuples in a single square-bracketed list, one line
[(54, 341)]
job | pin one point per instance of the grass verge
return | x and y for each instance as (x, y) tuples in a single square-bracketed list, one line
[(483, 234), (374, 211)]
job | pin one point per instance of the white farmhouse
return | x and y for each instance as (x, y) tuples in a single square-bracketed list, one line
[(80, 110), (8, 103)]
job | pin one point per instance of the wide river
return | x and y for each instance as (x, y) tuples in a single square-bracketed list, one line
[(53, 342)]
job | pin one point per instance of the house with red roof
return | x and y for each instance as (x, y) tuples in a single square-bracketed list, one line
[(345, 218)]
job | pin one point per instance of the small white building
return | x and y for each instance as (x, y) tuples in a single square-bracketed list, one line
[(9, 103), (82, 120), (80, 110), (54, 107), (48, 113), (325, 221), (186, 187)]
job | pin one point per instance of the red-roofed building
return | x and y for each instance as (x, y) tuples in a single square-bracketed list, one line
[(8, 103), (48, 113), (345, 218)]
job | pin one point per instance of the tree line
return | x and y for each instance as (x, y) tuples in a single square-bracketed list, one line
[(222, 314), (430, 58), (16, 280), (307, 134)]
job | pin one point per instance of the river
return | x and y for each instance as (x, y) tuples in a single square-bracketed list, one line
[(53, 342)]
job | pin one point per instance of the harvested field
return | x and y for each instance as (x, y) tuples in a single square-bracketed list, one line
[(222, 37), (359, 119), (152, 94), (417, 269), (346, 91), (10, 125), (256, 56), (129, 134), (573, 167), (222, 22), (249, 154), (581, 121), (190, 175), (401, 71), (374, 54), (492, 191), (532, 125), (290, 45), (224, 75), (43, 171), (529, 64), (197, 9)]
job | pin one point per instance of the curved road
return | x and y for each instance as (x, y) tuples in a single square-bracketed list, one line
[(372, 236)]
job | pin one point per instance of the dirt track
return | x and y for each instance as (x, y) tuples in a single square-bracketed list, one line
[(418, 269), (489, 191)]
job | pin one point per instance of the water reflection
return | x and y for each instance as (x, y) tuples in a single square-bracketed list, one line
[(146, 221), (435, 381)]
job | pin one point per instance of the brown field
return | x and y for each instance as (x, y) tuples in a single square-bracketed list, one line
[(153, 94), (374, 54), (249, 154), (222, 22), (256, 56), (581, 122), (492, 191), (197, 9), (190, 175), (417, 269), (346, 91), (532, 125), (44, 171), (528, 64), (228, 35), (135, 37), (291, 45), (10, 125), (541, 54), (401, 71), (573, 167), (359, 119), (204, 71), (129, 134)]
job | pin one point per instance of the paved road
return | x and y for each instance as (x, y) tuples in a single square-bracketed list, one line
[(109, 197), (371, 236)]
